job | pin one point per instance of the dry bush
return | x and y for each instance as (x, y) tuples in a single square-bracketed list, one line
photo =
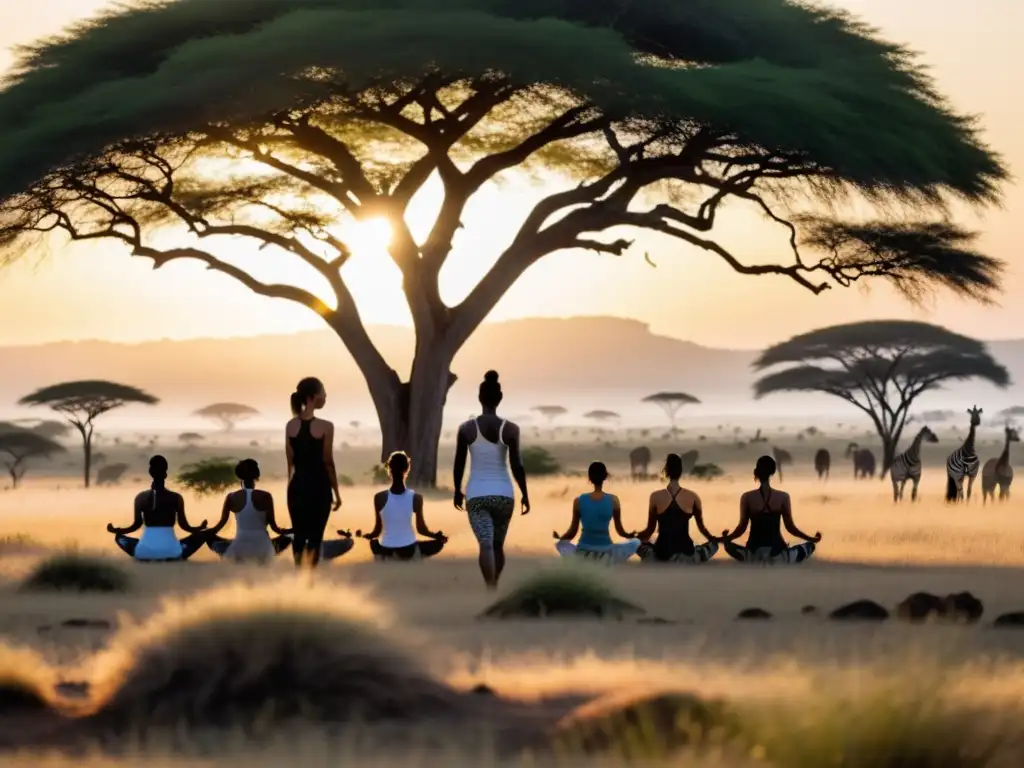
[(26, 681), (568, 589), (75, 571), (243, 655)]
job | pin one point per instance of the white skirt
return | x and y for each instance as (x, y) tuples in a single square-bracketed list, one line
[(616, 553)]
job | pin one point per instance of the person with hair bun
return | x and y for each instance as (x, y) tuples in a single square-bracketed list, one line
[(492, 445), (312, 478), (766, 510), (156, 512), (595, 512), (254, 512), (669, 512), (393, 536)]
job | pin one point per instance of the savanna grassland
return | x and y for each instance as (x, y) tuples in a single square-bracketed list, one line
[(876, 693)]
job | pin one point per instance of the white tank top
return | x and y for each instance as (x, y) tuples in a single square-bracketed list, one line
[(249, 520), (488, 466), (396, 518)]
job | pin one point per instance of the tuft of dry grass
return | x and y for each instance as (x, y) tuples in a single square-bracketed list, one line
[(243, 654), (79, 572), (566, 589), (26, 681)]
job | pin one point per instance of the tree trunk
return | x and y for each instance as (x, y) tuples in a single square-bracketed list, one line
[(888, 455), (86, 431), (410, 413)]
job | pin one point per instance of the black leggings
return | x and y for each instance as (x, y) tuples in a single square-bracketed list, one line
[(424, 548), (309, 506)]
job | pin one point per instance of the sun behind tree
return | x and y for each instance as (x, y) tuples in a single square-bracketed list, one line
[(654, 115)]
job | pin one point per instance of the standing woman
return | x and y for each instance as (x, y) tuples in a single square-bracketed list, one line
[(312, 479), (493, 445)]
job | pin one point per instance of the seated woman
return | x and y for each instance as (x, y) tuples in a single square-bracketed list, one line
[(393, 537), (766, 510), (595, 511), (254, 512), (156, 511), (669, 513)]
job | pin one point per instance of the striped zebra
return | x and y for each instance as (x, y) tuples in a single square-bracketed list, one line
[(963, 462), (907, 466)]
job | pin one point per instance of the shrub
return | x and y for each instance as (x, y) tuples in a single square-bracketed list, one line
[(26, 681), (707, 471), (242, 655), (209, 476), (345, 481), (379, 475), (539, 461), (79, 572), (575, 589)]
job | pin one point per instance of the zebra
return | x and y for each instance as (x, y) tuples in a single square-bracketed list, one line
[(907, 466), (963, 462)]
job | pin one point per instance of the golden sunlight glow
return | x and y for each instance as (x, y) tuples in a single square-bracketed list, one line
[(371, 236)]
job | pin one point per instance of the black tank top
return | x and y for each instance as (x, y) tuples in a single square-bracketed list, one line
[(162, 511), (673, 530), (766, 528), (308, 453)]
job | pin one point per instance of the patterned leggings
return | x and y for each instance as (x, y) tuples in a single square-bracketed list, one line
[(489, 517), (701, 554), (767, 555)]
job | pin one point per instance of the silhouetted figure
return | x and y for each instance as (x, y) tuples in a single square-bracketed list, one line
[(156, 512), (254, 513), (595, 512), (393, 536), (963, 462), (312, 480), (493, 447), (822, 463), (765, 510), (669, 512)]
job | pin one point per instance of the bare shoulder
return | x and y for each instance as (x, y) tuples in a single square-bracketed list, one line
[(142, 496), (467, 429), (511, 429), (177, 497), (380, 497), (262, 495), (291, 429), (691, 496), (658, 494), (780, 495)]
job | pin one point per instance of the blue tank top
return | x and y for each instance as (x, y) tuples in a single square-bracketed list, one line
[(595, 518)]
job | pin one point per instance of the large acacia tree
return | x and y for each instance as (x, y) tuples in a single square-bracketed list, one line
[(880, 367), (171, 126)]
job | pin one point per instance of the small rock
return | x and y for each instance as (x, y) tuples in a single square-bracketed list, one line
[(654, 620), (43, 629), (753, 613), (481, 689), (86, 623), (921, 606), (1014, 619), (964, 607), (860, 610), (809, 610), (73, 690)]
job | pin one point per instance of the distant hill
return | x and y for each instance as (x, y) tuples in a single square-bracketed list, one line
[(582, 363)]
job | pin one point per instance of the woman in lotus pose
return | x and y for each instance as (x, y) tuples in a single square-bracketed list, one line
[(312, 479), (595, 512), (766, 510), (493, 446), (156, 512), (393, 536), (254, 512), (669, 513)]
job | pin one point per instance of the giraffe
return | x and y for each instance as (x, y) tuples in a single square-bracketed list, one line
[(907, 466), (963, 462), (998, 472)]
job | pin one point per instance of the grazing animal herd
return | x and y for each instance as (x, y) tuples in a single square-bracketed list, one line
[(962, 464)]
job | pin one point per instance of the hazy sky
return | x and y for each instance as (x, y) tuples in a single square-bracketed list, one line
[(100, 292)]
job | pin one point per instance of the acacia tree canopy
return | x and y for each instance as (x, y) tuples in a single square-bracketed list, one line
[(881, 367), (19, 445), (657, 114)]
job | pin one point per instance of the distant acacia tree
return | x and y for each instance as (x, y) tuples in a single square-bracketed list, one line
[(670, 403), (81, 402), (602, 416), (550, 412), (45, 427), (1013, 412), (19, 446), (227, 414), (140, 126), (880, 367), (190, 439)]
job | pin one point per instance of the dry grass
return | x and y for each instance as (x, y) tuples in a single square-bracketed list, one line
[(809, 688), (26, 681), (240, 654), (73, 571)]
